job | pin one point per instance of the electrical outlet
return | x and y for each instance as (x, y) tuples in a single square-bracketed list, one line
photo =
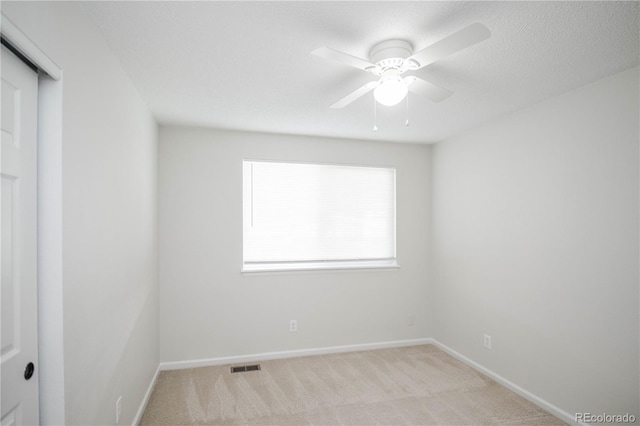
[(293, 325), (487, 341), (118, 409), (411, 320)]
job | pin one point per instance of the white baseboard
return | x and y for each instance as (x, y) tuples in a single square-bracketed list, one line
[(145, 400), (545, 405), (177, 365)]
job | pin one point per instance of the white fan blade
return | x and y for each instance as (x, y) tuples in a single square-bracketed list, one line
[(343, 58), (426, 89), (355, 95), (474, 33)]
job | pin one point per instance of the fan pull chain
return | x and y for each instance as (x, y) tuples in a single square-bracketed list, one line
[(375, 115), (406, 123)]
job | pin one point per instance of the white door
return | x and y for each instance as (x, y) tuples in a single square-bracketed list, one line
[(18, 233)]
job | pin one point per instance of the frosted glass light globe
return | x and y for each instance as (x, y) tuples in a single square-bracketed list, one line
[(391, 91)]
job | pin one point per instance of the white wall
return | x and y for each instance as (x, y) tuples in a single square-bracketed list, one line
[(535, 242), (210, 309), (109, 208)]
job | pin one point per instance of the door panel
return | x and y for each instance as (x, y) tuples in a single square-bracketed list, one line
[(18, 248)]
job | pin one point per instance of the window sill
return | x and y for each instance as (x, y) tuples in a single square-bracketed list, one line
[(319, 266)]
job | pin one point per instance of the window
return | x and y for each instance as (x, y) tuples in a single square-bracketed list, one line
[(317, 216)]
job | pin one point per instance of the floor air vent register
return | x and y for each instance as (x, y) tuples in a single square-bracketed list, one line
[(243, 368)]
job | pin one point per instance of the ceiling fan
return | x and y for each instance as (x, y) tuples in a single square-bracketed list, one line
[(392, 58)]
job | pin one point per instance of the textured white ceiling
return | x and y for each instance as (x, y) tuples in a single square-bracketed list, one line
[(247, 65)]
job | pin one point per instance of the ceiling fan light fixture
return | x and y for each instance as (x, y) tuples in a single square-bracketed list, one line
[(391, 58), (390, 91)]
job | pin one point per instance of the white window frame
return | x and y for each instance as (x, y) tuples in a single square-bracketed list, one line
[(319, 265)]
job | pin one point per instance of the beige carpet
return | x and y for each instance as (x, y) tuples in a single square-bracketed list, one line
[(418, 385)]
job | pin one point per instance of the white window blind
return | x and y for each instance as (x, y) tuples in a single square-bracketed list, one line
[(309, 216)]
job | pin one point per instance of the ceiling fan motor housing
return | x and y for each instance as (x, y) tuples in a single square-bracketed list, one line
[(390, 53)]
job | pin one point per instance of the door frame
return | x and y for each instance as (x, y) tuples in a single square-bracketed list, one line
[(50, 271)]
